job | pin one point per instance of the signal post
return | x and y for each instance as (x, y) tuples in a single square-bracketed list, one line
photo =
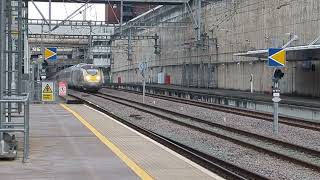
[(277, 59)]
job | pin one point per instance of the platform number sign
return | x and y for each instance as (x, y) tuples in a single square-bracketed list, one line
[(47, 91)]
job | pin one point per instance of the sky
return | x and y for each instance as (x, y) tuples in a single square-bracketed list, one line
[(60, 11)]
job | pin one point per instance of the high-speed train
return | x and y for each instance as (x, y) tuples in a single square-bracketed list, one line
[(87, 77)]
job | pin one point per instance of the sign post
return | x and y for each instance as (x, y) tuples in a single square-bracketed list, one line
[(276, 99), (143, 68), (276, 59), (144, 89), (251, 83)]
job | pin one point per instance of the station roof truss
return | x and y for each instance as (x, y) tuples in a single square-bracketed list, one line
[(59, 40), (94, 37), (162, 2), (75, 23)]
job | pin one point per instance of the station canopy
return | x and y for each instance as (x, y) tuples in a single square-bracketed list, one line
[(293, 53), (163, 2)]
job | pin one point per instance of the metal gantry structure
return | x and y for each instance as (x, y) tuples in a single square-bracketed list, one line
[(14, 100)]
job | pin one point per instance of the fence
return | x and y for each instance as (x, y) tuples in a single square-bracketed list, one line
[(14, 123)]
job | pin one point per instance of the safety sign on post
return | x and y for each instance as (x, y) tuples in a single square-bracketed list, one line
[(62, 88), (50, 54), (143, 67), (277, 57), (47, 91)]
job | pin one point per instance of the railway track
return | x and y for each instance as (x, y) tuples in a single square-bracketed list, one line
[(303, 156), (221, 167), (239, 111)]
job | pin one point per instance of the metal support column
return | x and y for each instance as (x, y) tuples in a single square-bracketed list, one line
[(130, 46), (26, 130), (2, 65), (9, 69), (121, 17), (199, 13), (10, 58), (49, 15), (20, 52), (90, 46)]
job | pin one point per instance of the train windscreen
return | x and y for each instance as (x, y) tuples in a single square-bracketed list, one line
[(92, 71)]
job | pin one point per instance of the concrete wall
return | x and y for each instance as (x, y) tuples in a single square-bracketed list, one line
[(231, 26)]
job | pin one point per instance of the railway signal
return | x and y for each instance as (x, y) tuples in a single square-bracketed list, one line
[(278, 74), (276, 59)]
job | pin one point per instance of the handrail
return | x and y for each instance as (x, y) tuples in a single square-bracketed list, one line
[(24, 99)]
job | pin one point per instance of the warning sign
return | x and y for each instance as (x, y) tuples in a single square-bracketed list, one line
[(277, 57), (47, 91), (50, 54), (62, 88)]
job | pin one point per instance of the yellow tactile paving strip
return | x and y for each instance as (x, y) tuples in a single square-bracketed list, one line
[(151, 158)]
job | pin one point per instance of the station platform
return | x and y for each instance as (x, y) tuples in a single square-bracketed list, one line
[(311, 102), (77, 142), (303, 108)]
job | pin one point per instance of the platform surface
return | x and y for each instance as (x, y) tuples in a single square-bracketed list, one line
[(159, 162), (62, 148)]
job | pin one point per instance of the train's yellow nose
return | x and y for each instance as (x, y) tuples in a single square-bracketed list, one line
[(94, 78)]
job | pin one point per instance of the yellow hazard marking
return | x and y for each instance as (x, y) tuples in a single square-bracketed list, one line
[(130, 163), (47, 97), (47, 89), (48, 53), (280, 57)]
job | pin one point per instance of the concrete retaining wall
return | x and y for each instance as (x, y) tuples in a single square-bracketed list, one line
[(231, 26)]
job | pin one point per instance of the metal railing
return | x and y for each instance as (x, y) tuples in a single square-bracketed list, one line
[(15, 124)]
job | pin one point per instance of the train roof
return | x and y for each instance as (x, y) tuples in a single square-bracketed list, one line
[(87, 66)]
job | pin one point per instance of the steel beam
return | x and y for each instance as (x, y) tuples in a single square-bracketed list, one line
[(74, 23), (45, 20), (164, 2), (67, 18), (87, 37)]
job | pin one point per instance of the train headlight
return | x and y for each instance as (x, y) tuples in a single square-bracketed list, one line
[(88, 77), (98, 78)]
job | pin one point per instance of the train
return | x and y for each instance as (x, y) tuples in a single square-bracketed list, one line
[(87, 77)]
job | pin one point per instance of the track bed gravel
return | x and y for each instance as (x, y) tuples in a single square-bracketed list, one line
[(295, 135)]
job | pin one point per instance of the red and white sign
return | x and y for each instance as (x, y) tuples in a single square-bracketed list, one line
[(62, 88)]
